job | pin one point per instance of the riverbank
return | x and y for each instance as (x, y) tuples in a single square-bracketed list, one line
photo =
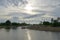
[(53, 29)]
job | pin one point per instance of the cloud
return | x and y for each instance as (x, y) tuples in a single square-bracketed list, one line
[(56, 12), (18, 14), (7, 3), (34, 16), (43, 9)]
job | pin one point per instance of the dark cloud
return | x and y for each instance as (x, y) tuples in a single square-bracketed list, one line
[(7, 3), (34, 16)]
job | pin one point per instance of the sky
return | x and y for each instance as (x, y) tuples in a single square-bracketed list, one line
[(30, 11)]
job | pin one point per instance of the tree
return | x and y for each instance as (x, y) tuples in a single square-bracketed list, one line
[(46, 23), (8, 22), (55, 23), (52, 20)]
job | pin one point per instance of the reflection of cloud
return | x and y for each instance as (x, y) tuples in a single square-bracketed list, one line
[(28, 35)]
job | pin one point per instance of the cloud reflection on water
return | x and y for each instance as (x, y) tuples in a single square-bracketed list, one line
[(28, 35)]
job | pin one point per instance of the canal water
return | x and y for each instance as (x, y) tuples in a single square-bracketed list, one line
[(25, 34)]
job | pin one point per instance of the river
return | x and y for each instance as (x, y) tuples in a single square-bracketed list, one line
[(25, 34)]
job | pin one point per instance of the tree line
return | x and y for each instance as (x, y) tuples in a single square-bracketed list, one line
[(53, 23), (8, 24)]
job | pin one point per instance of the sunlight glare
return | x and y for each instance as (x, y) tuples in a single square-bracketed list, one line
[(28, 35), (28, 7)]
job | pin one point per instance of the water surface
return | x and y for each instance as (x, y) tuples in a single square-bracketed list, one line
[(25, 34)]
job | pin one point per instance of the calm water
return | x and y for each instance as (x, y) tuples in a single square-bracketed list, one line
[(25, 34)]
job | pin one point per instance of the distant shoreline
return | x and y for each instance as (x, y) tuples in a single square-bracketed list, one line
[(39, 28), (52, 29)]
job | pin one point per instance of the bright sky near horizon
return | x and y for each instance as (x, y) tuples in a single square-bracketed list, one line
[(32, 11)]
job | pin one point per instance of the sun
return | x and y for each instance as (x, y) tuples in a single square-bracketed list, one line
[(28, 7)]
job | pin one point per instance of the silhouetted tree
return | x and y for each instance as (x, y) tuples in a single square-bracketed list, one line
[(8, 22), (46, 23), (52, 20), (55, 23), (23, 24)]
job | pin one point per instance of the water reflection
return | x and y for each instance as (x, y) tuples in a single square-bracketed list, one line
[(28, 35), (56, 35), (14, 35), (7, 30), (25, 34)]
